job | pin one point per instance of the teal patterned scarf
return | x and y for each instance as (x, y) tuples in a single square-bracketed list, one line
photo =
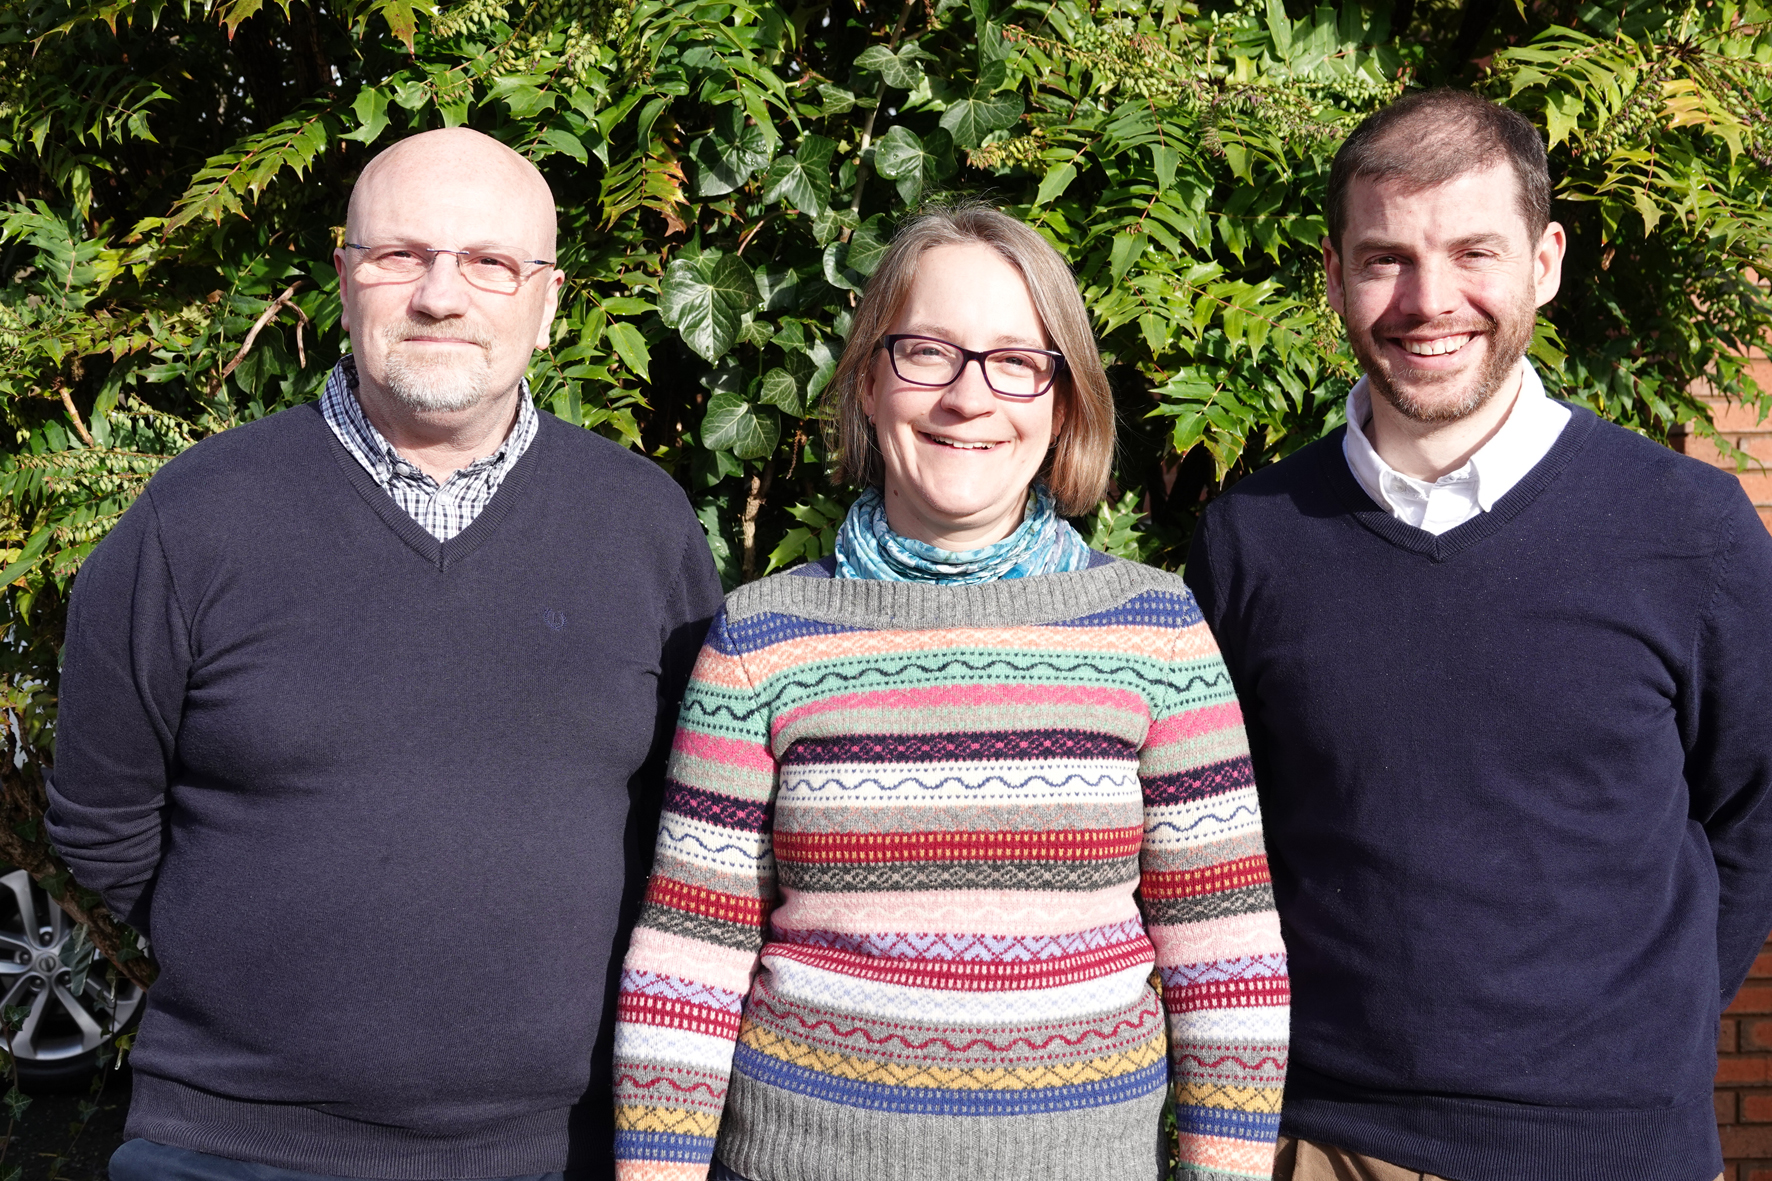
[(1044, 543)]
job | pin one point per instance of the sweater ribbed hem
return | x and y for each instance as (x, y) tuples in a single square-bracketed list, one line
[(774, 1135), (1486, 1140), (292, 1136), (907, 606)]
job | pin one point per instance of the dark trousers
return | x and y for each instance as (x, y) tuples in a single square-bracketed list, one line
[(144, 1160)]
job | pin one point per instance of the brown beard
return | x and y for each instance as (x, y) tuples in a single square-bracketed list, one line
[(1508, 338)]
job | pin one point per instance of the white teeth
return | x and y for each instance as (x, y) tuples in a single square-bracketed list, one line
[(962, 445), (1437, 348)]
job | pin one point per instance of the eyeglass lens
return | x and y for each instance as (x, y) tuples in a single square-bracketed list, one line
[(1013, 372), (401, 263)]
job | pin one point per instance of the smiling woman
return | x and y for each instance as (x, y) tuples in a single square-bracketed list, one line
[(939, 803)]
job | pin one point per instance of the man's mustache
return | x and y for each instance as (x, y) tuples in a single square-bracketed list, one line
[(396, 333)]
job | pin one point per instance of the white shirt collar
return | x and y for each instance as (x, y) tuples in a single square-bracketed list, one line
[(1526, 436)]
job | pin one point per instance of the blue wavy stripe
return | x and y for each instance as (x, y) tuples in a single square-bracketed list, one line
[(1235, 1125), (1152, 608), (667, 1146), (933, 1101)]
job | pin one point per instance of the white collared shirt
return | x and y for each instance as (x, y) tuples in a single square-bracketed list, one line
[(1525, 437)]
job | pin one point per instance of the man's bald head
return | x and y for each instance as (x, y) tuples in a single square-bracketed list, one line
[(450, 180)]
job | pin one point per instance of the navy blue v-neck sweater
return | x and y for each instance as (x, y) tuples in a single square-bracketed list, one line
[(1514, 781), (385, 804)]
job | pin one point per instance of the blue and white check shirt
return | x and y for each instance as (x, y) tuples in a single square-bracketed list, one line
[(443, 509)]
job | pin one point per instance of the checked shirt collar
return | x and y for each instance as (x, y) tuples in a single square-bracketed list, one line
[(443, 509)]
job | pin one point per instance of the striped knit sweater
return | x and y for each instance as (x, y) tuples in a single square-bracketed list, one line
[(895, 927)]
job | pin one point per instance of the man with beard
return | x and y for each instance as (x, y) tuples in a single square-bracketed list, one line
[(1507, 676), (363, 715)]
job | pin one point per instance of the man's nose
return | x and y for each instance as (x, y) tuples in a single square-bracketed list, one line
[(1431, 290), (442, 291)]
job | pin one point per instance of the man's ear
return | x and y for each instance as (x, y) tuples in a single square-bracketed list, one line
[(344, 289), (550, 305), (1332, 276), (1547, 263)]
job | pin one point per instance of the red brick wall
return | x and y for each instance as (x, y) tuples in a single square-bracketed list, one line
[(1744, 1078), (1744, 1043)]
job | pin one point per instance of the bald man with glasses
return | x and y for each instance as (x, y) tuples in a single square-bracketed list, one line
[(363, 715)]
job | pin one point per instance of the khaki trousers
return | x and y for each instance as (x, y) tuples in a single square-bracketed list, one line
[(1305, 1160)]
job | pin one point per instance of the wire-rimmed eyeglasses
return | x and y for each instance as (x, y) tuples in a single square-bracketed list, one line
[(489, 270), (1009, 372)]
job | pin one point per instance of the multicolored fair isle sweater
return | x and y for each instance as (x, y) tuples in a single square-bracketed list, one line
[(927, 853)]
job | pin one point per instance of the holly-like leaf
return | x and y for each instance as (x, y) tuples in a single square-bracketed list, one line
[(898, 69), (728, 156), (705, 298), (971, 118), (913, 162), (803, 180), (744, 428), (630, 346), (371, 109)]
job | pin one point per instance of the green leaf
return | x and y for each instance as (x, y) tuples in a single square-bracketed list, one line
[(371, 109), (727, 158), (836, 100), (803, 180), (704, 299), (899, 69), (630, 346), (1126, 249), (868, 245), (1055, 183), (780, 389), (979, 113), (1164, 159), (913, 162), (744, 428), (565, 141)]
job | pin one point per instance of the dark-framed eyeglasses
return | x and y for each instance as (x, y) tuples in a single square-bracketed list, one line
[(1020, 373), (489, 270)]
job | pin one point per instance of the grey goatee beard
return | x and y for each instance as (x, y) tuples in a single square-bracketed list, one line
[(437, 386), (1508, 338)]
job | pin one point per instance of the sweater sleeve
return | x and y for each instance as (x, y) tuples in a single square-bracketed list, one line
[(1729, 747), (122, 696), (689, 966), (1210, 911)]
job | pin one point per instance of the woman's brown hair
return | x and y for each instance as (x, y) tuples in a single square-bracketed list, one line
[(1078, 468)]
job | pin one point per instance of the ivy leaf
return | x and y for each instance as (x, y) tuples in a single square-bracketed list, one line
[(726, 158), (901, 156), (744, 428), (780, 389), (803, 180), (979, 113), (868, 244), (779, 289), (630, 346), (837, 101), (705, 299), (899, 69)]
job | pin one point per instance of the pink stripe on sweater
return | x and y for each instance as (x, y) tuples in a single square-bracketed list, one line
[(752, 756), (1218, 939), (935, 697), (1194, 723), (670, 955), (961, 912), (1222, 1154)]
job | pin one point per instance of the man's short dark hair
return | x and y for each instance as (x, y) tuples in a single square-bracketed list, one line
[(1433, 136)]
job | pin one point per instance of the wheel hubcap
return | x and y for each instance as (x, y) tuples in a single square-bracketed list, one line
[(36, 944)]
